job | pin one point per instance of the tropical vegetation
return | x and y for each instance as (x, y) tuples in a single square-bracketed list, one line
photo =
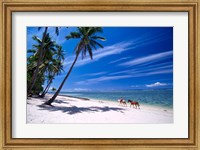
[(45, 59)]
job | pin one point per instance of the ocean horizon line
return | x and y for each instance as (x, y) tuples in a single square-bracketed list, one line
[(127, 90)]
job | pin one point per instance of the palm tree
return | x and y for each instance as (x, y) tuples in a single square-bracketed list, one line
[(53, 89), (59, 54), (50, 78), (56, 70), (86, 44), (35, 73), (49, 49), (41, 55)]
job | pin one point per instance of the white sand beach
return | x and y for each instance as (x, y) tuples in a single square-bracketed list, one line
[(74, 110)]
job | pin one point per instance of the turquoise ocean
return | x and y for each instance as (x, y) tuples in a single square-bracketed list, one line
[(163, 98)]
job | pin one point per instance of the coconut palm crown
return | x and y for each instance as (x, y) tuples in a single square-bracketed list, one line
[(87, 42)]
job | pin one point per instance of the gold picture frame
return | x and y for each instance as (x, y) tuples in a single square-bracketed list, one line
[(9, 6)]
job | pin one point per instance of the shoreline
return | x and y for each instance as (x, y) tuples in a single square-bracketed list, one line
[(81, 98), (69, 109), (147, 106), (114, 102)]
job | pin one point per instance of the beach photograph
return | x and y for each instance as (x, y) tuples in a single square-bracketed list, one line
[(105, 75)]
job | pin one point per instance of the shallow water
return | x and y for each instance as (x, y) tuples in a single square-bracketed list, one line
[(150, 97)]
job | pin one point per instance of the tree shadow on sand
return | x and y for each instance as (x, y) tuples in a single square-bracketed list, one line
[(74, 109), (58, 101)]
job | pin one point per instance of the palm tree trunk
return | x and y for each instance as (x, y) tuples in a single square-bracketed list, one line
[(47, 90), (32, 83), (47, 87), (58, 91), (44, 92), (40, 74)]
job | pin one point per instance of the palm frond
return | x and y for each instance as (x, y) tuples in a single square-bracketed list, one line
[(96, 43), (94, 30), (78, 48), (31, 51), (90, 51), (57, 30), (98, 38), (93, 45), (37, 39), (73, 35), (84, 51)]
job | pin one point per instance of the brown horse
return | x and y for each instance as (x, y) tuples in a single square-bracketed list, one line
[(134, 103), (122, 102)]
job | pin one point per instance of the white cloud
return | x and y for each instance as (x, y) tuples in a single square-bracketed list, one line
[(118, 60), (118, 48), (104, 78), (157, 84), (134, 86), (94, 74), (114, 49), (107, 78), (160, 72), (129, 71), (152, 69), (149, 58), (80, 90)]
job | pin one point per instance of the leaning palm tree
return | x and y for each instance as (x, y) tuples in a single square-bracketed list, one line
[(88, 37)]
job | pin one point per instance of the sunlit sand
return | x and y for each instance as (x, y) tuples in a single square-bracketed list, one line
[(74, 110)]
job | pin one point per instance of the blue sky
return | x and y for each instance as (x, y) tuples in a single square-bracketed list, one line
[(132, 58)]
